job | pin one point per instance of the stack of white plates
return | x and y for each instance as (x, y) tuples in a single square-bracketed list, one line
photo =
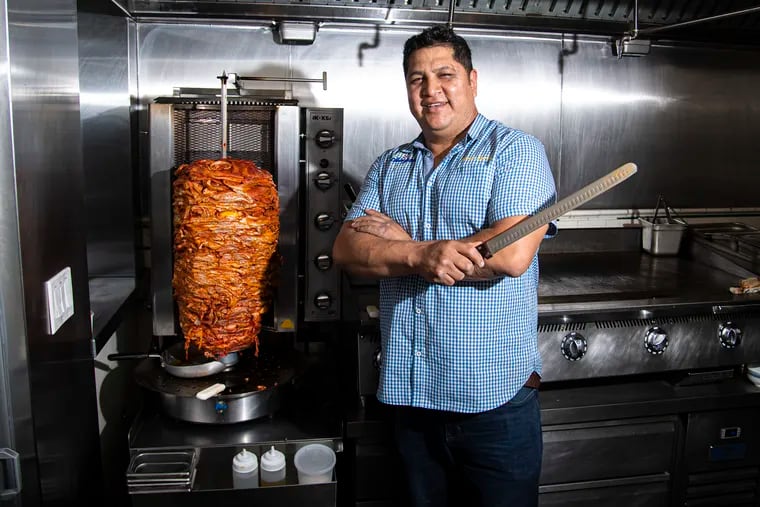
[(753, 373)]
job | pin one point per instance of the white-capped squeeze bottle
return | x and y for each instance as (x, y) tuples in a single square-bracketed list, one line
[(245, 470), (272, 468)]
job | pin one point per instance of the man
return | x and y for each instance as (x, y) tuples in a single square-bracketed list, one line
[(458, 331)]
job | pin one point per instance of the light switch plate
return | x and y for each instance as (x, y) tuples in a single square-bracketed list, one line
[(59, 298)]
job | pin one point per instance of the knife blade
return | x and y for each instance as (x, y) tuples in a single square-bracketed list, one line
[(505, 238)]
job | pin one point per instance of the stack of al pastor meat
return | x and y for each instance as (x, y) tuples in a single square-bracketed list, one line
[(226, 226)]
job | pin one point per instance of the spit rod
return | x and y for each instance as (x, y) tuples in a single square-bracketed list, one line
[(452, 4), (223, 105)]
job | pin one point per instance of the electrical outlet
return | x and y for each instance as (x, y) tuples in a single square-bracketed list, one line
[(59, 297)]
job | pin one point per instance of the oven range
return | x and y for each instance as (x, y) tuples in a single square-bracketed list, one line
[(627, 313), (643, 397)]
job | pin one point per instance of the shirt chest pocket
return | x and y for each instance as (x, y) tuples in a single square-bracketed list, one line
[(400, 198), (464, 195)]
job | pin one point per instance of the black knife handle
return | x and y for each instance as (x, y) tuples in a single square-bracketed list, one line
[(484, 251), (350, 191)]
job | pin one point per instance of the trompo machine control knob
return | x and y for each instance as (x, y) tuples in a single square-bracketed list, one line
[(324, 180), (323, 301), (324, 221), (323, 262), (325, 138)]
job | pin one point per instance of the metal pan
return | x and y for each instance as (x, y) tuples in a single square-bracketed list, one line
[(177, 362)]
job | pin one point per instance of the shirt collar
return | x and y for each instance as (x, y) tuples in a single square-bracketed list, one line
[(476, 128)]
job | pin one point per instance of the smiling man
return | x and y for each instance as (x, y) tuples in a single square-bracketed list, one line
[(459, 341)]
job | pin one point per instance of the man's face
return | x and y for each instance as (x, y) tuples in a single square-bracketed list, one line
[(441, 93)]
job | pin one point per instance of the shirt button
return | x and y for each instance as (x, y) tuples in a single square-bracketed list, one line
[(418, 353), (427, 226), (418, 311)]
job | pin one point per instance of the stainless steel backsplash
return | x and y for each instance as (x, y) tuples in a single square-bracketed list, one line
[(688, 115)]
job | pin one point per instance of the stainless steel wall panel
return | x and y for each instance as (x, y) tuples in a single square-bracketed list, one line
[(674, 112), (194, 55), (686, 115), (16, 429), (48, 157), (610, 17), (522, 89), (519, 84), (44, 95), (104, 76)]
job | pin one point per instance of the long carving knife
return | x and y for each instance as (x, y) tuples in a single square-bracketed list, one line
[(572, 201)]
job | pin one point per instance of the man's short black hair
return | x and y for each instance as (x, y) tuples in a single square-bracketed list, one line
[(439, 35)]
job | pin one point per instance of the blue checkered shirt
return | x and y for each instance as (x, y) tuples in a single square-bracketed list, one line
[(471, 346)]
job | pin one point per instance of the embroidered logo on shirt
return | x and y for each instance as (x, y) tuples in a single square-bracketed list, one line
[(477, 158), (402, 157)]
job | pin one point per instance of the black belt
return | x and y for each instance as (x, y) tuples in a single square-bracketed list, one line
[(534, 381)]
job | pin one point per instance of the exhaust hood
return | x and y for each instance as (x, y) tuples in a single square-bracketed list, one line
[(599, 17)]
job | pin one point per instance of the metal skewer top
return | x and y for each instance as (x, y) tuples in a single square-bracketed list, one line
[(223, 105)]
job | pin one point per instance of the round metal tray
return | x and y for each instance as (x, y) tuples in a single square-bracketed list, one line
[(253, 389)]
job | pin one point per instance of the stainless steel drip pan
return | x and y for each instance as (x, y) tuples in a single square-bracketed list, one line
[(164, 470)]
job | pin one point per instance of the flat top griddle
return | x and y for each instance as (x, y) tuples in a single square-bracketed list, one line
[(619, 281)]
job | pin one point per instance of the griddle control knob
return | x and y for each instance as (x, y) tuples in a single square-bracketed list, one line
[(323, 301), (325, 138), (730, 335), (656, 340), (573, 346)]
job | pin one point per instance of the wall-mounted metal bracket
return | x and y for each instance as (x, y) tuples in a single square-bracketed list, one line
[(236, 79)]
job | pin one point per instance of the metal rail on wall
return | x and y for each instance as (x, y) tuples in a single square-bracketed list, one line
[(237, 78)]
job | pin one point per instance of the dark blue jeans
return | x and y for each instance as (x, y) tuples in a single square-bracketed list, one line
[(489, 459)]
